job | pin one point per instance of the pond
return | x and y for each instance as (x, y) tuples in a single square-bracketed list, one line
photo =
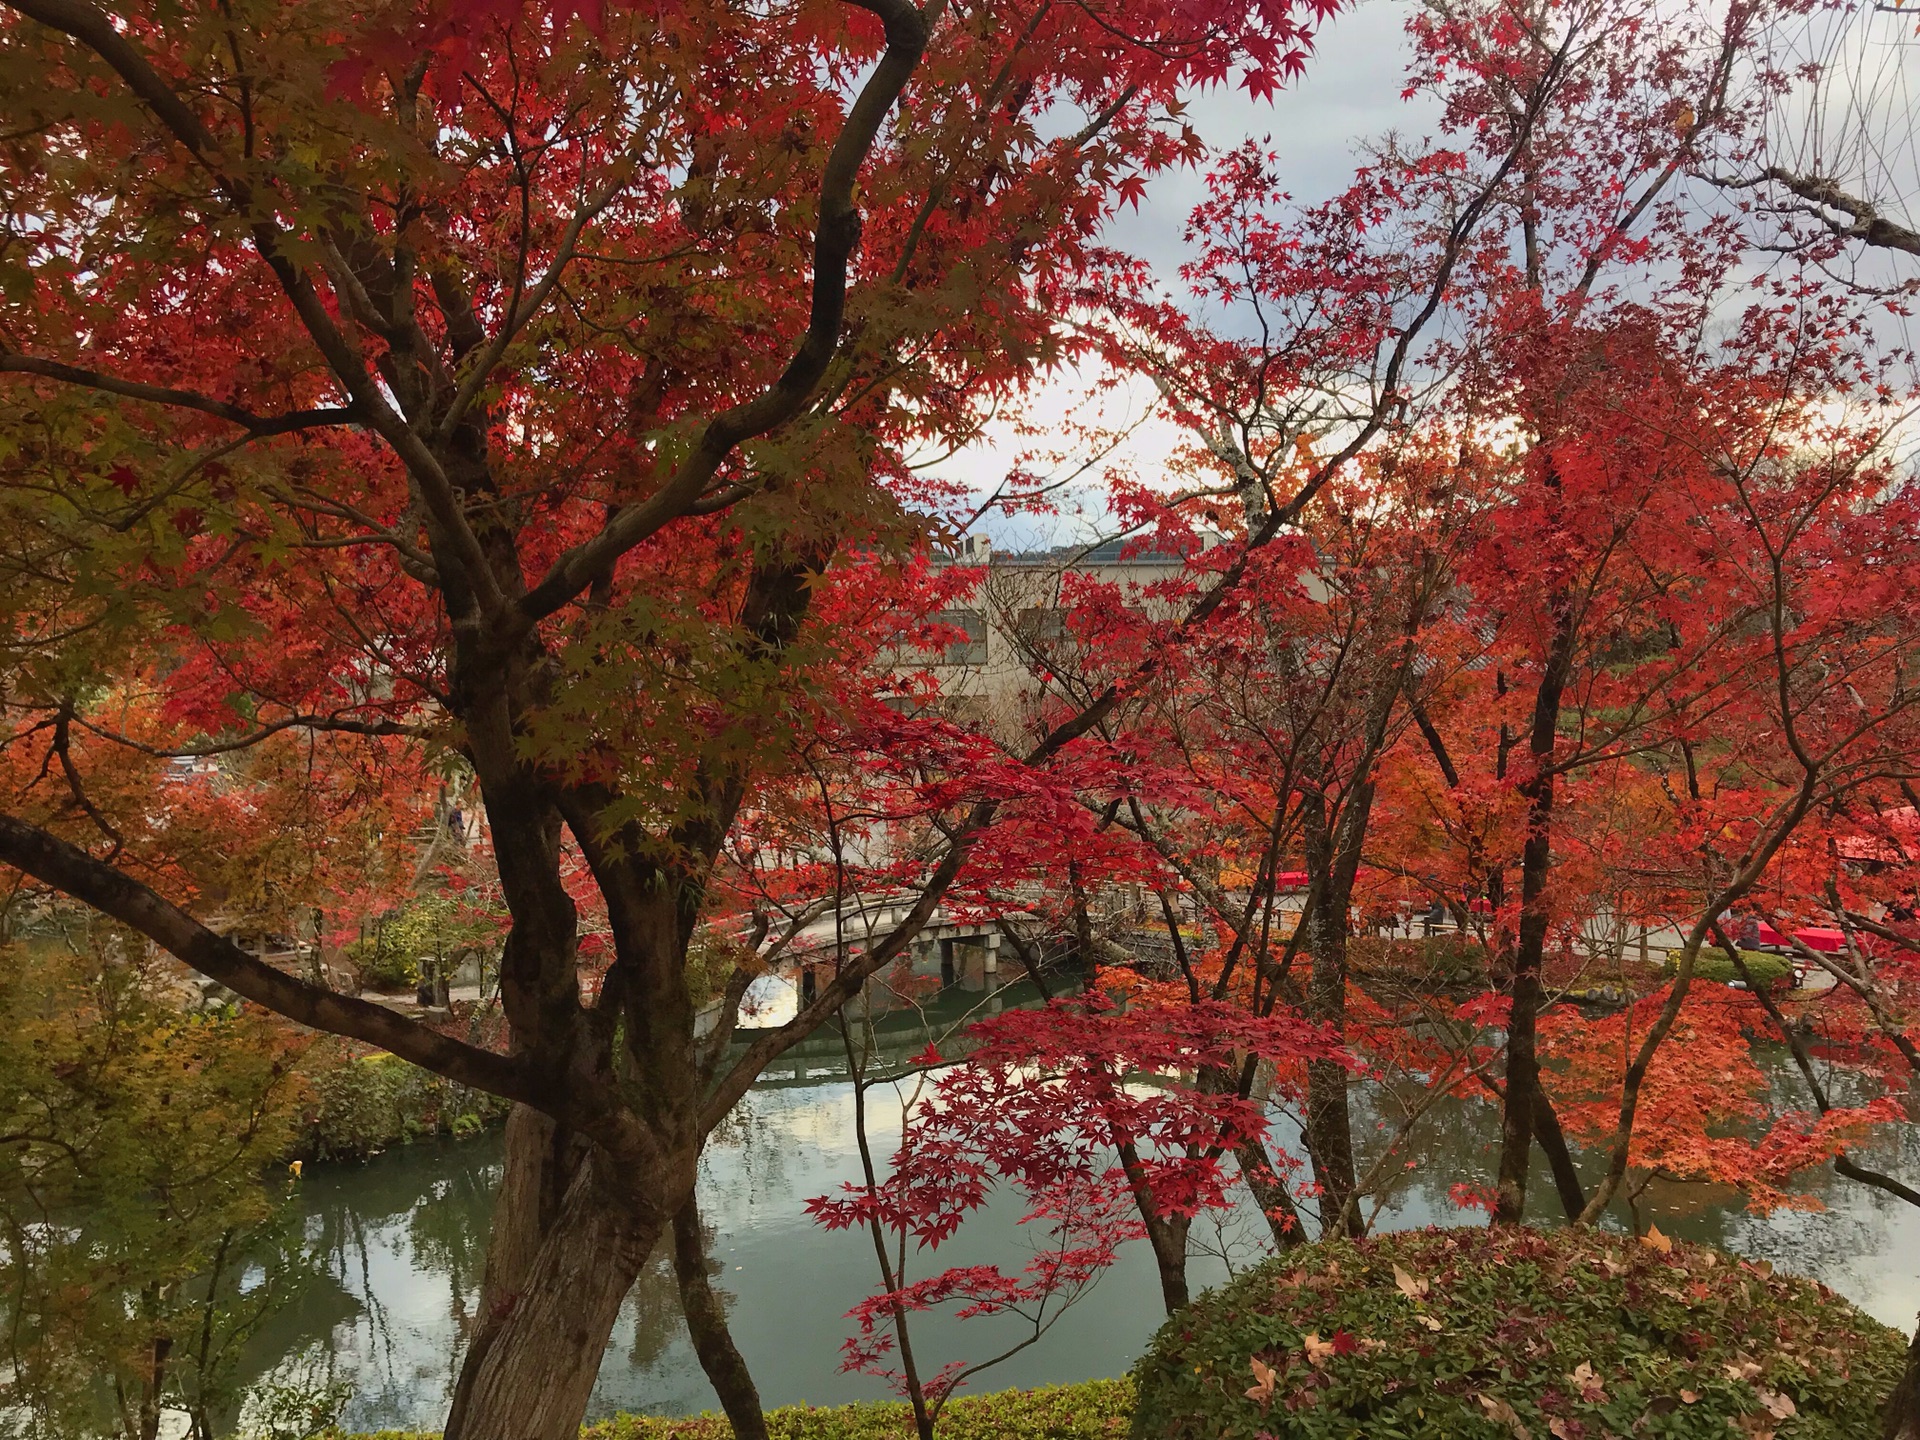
[(397, 1248)]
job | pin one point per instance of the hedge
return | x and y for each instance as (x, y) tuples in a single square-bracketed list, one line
[(1492, 1334), (1095, 1410), (1716, 965)]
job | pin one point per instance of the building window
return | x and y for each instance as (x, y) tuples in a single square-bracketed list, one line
[(972, 650), (1041, 626)]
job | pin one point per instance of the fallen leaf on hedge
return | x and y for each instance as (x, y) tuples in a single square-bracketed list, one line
[(1558, 1429), (1317, 1349), (1501, 1413), (1588, 1383), (1411, 1288), (1742, 1369), (1614, 1268), (1264, 1375), (1431, 1322), (1687, 1397), (1781, 1407), (1654, 1240)]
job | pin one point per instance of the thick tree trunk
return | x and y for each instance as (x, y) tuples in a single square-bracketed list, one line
[(566, 1246), (1903, 1406), (707, 1323)]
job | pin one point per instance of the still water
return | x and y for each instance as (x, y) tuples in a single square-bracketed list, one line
[(397, 1247)]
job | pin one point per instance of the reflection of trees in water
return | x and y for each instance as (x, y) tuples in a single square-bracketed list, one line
[(1856, 1234), (430, 1205), (447, 1233), (748, 1157), (655, 1303)]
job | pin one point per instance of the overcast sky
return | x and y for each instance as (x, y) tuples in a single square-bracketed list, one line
[(1351, 94)]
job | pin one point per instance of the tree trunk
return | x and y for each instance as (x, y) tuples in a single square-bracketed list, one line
[(1271, 1194), (1903, 1406), (1566, 1179), (153, 1383), (1333, 860), (566, 1247), (707, 1323), (1517, 1117), (1168, 1236)]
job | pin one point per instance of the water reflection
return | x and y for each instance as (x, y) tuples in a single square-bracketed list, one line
[(399, 1244)]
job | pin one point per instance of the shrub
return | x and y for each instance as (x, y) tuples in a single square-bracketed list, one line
[(1451, 959), (363, 1104), (382, 964), (1717, 966), (1095, 1410), (1496, 1333)]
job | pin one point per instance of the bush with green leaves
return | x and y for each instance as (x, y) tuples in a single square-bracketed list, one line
[(141, 1251), (1095, 1410), (362, 1104), (1769, 971), (438, 924), (1491, 1334), (1431, 960)]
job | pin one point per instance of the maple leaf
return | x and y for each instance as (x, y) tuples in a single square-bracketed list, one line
[(1588, 1383), (1318, 1350), (1264, 1376), (1778, 1405), (1415, 1290), (1654, 1240), (1501, 1413)]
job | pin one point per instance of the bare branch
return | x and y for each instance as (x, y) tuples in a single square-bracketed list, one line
[(258, 426), (71, 870)]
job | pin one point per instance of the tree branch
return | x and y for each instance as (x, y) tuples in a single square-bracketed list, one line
[(836, 238), (72, 871), (258, 426)]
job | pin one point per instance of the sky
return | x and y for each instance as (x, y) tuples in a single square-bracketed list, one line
[(1350, 94)]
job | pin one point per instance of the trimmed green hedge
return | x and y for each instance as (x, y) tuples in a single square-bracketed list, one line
[(1095, 1410), (1716, 965), (1515, 1331)]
